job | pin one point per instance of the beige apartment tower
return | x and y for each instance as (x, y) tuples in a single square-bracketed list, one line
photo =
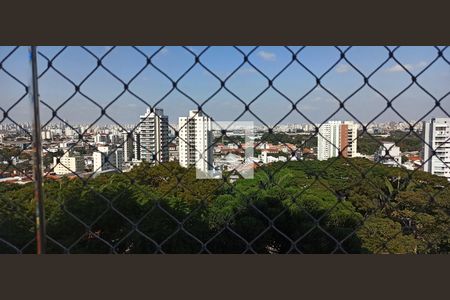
[(335, 137)]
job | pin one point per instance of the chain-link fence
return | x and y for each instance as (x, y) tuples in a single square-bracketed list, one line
[(350, 150)]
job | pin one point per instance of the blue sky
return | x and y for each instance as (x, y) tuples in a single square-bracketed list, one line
[(246, 83)]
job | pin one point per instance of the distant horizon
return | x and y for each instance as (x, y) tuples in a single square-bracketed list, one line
[(256, 124), (99, 124)]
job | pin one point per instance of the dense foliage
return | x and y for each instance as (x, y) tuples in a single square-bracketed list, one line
[(407, 141), (297, 139), (8, 154), (309, 206)]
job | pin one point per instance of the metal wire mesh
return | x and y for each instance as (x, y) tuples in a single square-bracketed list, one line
[(340, 205)]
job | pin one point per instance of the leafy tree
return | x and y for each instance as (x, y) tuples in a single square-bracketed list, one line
[(340, 205)]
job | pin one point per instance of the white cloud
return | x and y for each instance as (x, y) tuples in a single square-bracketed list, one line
[(422, 64), (342, 68), (268, 56), (247, 70), (163, 51), (307, 107), (399, 68)]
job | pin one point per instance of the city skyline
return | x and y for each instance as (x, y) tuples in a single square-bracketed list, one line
[(150, 142), (83, 127), (246, 82)]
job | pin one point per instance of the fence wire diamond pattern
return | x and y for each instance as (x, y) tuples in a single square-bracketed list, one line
[(297, 204)]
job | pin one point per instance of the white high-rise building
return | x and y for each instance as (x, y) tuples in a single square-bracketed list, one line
[(195, 141), (336, 136), (436, 135), (389, 154), (69, 164), (128, 146), (105, 159), (137, 145), (153, 137)]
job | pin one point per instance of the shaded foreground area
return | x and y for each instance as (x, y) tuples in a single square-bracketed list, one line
[(339, 206)]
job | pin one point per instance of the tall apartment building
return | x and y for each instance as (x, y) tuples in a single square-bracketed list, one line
[(153, 137), (436, 134), (128, 146), (336, 136), (69, 164), (195, 141), (107, 159), (137, 145)]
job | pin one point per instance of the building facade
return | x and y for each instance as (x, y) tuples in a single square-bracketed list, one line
[(107, 159), (153, 139), (137, 145), (173, 152), (69, 164), (335, 137), (195, 141), (436, 134), (389, 154), (128, 146)]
